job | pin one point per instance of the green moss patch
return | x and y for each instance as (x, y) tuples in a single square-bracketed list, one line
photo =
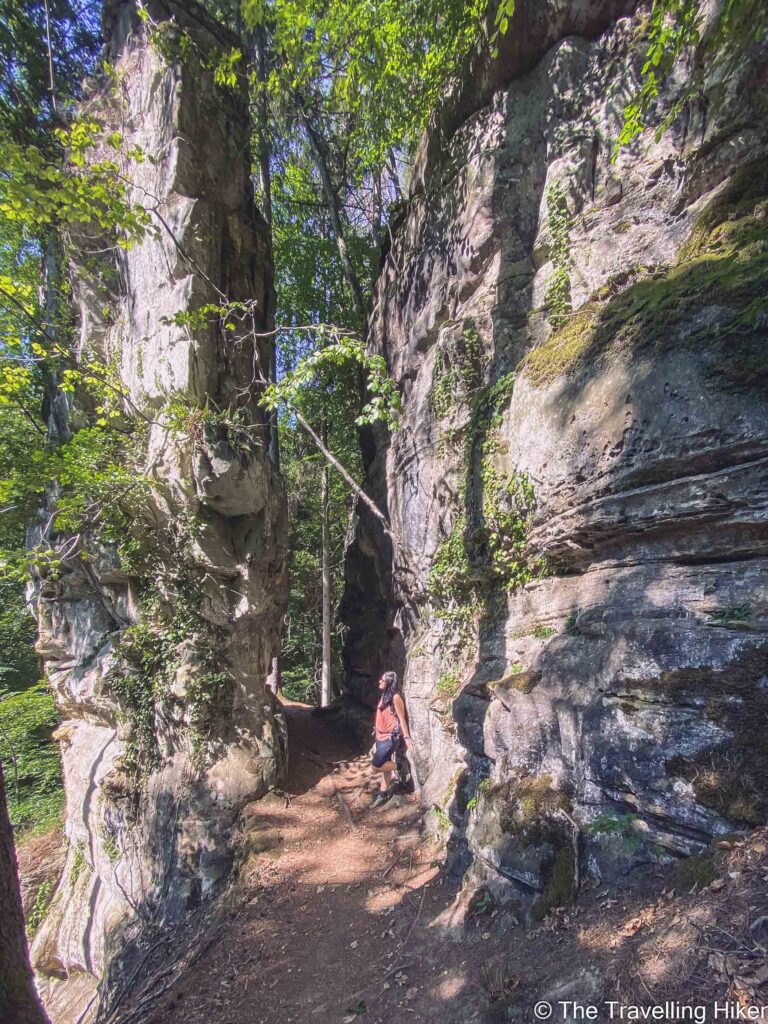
[(723, 264), (695, 872), (565, 349), (528, 806), (448, 684), (560, 888), (520, 679)]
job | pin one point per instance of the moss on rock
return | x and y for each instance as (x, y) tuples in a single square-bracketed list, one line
[(565, 348), (520, 679), (529, 804), (697, 871), (560, 887), (723, 267)]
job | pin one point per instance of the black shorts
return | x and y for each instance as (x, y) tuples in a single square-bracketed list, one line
[(385, 751)]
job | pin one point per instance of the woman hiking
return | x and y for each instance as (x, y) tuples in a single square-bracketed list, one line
[(392, 732)]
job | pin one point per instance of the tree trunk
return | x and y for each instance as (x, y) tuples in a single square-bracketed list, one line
[(394, 177), (262, 123), (19, 1002), (325, 678), (56, 403), (354, 485), (334, 211), (265, 190), (378, 204)]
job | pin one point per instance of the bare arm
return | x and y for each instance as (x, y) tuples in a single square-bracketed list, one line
[(403, 716)]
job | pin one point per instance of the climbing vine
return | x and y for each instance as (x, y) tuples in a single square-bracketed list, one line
[(558, 296), (673, 27), (150, 653), (486, 552), (458, 372)]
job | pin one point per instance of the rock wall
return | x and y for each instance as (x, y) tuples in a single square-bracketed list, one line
[(580, 482), (161, 749)]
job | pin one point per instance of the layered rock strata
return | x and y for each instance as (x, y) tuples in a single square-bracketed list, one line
[(579, 483)]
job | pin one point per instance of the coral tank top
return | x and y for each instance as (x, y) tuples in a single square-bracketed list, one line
[(386, 720)]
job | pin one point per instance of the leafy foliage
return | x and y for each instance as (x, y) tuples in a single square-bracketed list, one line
[(675, 26), (302, 635), (40, 906), (323, 363), (487, 550), (458, 372), (39, 83), (558, 296), (30, 757), (378, 66)]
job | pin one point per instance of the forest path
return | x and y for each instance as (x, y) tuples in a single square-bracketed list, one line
[(331, 920), (332, 908)]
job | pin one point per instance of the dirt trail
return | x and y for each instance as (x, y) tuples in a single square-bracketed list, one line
[(331, 920), (332, 902)]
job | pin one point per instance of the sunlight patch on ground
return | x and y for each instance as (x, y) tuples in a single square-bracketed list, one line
[(450, 985)]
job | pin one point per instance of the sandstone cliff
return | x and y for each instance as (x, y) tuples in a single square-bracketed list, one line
[(580, 482), (158, 642)]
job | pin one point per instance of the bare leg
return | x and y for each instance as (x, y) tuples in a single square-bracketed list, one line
[(385, 771)]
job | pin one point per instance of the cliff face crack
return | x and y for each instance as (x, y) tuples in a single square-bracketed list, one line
[(689, 481), (88, 797)]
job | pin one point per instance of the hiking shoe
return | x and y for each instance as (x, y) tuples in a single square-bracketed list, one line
[(381, 798)]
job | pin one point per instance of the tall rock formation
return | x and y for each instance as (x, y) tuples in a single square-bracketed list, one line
[(580, 480), (158, 641)]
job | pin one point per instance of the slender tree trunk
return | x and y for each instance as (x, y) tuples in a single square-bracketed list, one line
[(265, 190), (334, 211), (55, 401), (262, 122), (354, 485), (325, 677), (377, 209), (393, 175), (19, 1002)]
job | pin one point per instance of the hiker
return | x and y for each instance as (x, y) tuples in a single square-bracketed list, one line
[(392, 733)]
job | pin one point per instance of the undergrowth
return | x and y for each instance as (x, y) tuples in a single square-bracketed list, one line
[(30, 758)]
